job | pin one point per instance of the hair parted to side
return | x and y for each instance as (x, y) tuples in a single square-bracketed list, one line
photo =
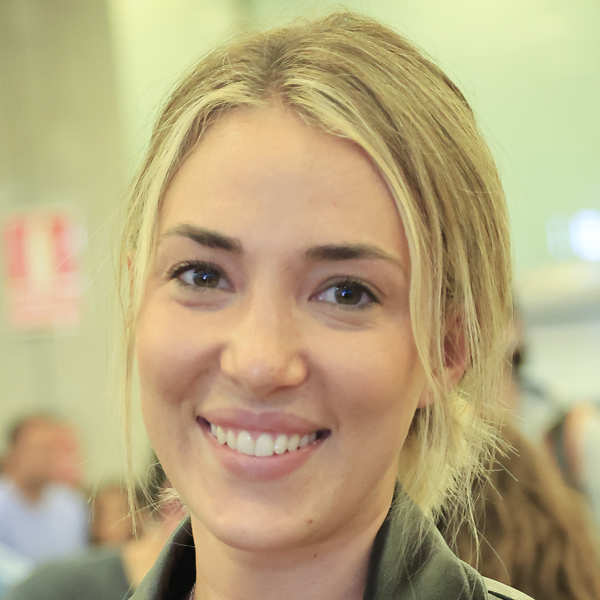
[(356, 79)]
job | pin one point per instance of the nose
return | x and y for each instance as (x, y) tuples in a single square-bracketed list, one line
[(262, 353)]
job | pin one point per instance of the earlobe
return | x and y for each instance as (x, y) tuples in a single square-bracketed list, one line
[(455, 357), (455, 352), (425, 400)]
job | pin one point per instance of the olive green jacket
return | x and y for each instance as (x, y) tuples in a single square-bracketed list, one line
[(432, 573)]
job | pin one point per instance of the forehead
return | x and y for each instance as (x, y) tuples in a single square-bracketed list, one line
[(264, 167)]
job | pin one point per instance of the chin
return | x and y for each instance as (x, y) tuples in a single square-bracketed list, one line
[(254, 526), (254, 535)]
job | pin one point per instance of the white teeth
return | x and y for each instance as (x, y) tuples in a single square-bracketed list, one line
[(293, 442), (245, 443), (221, 435), (307, 439), (281, 442), (231, 439), (265, 444)]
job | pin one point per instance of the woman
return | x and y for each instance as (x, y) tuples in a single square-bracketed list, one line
[(316, 286)]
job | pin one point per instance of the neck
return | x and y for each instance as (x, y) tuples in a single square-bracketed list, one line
[(30, 490), (336, 570)]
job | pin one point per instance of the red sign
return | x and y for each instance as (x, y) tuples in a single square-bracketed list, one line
[(42, 271)]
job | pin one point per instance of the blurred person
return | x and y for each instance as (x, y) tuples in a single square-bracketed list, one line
[(536, 533), (111, 523), (40, 517), (67, 462), (570, 434), (573, 440), (535, 407), (108, 573)]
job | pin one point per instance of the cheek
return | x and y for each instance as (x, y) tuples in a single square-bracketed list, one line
[(164, 363), (170, 365), (168, 356), (377, 382)]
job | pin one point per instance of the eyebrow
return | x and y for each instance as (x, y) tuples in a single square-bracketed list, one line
[(205, 237), (327, 252), (341, 252)]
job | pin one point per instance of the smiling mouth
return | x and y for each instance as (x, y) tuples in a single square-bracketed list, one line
[(262, 443)]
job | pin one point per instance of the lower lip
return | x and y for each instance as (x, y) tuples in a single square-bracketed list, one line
[(260, 468)]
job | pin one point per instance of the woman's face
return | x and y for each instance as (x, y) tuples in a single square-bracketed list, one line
[(278, 370)]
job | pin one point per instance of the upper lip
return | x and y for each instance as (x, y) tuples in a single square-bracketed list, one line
[(268, 421)]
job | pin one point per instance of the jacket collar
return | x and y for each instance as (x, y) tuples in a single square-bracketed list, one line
[(430, 571), (425, 568), (174, 573)]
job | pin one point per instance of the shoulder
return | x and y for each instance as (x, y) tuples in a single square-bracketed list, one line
[(94, 574), (5, 488), (9, 499), (65, 494), (65, 502), (497, 590)]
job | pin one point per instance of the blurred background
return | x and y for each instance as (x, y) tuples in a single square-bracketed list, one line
[(81, 83)]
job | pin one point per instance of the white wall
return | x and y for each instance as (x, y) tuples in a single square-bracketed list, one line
[(566, 357), (155, 42)]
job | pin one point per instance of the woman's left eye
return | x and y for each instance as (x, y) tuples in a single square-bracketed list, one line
[(348, 293)]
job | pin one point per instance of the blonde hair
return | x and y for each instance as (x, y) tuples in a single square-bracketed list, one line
[(356, 79)]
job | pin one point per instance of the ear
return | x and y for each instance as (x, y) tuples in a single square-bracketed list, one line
[(455, 356)]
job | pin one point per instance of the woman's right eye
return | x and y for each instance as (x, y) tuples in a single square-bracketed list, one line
[(199, 276)]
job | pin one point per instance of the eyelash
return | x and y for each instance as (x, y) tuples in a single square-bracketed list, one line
[(177, 270), (349, 282)]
